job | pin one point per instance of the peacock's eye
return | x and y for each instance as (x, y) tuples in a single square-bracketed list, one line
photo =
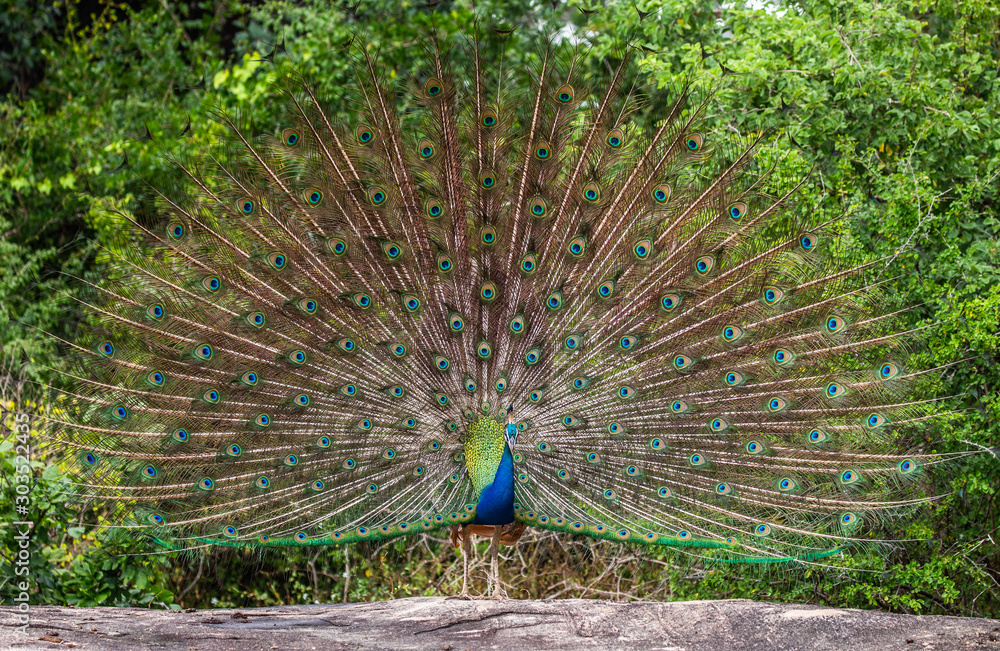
[(772, 295), (337, 246)]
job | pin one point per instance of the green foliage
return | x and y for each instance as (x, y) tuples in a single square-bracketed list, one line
[(67, 563), (891, 106)]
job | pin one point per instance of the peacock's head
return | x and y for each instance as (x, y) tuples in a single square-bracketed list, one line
[(511, 432)]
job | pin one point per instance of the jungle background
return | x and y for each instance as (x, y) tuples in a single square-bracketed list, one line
[(892, 106)]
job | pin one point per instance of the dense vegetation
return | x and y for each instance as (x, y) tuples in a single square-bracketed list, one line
[(893, 107)]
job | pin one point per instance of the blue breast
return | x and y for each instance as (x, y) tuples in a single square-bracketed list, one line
[(496, 501)]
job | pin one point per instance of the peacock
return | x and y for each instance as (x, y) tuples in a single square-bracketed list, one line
[(492, 298)]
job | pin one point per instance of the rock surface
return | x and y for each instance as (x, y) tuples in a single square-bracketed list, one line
[(453, 625)]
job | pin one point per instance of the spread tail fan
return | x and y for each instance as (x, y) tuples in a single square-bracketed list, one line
[(526, 297)]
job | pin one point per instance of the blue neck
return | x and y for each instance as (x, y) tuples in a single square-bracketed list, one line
[(496, 501)]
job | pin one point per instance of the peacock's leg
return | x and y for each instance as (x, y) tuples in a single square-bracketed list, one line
[(497, 592), (460, 535), (466, 539)]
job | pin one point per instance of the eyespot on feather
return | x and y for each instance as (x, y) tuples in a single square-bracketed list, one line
[(488, 292), (737, 211), (336, 246), (392, 250), (538, 207), (888, 371), (426, 149), (772, 295), (488, 118), (434, 209), (642, 249), (364, 134), (176, 231), (670, 302), (155, 312), (704, 265), (487, 180), (565, 94), (660, 193), (433, 87), (488, 235), (808, 241), (542, 151), (529, 264), (290, 137)]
